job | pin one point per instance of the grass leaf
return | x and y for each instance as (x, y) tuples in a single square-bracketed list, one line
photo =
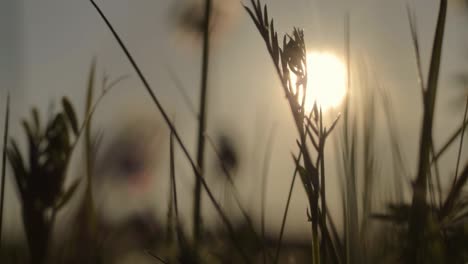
[(4, 155), (70, 114), (67, 195)]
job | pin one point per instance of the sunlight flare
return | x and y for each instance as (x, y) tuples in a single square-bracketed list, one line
[(326, 81)]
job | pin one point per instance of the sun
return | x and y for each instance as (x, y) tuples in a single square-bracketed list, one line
[(326, 82)]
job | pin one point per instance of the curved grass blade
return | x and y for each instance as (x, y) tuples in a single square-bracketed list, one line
[(71, 115)]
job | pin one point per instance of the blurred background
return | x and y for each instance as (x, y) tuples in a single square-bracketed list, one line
[(46, 50)]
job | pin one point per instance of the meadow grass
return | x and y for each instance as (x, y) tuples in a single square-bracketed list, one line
[(430, 228)]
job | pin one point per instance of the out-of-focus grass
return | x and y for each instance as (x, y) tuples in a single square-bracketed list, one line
[(431, 228), (4, 157)]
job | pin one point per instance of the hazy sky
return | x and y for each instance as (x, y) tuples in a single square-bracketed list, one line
[(46, 48)]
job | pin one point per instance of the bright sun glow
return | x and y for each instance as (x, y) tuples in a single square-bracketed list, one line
[(326, 80)]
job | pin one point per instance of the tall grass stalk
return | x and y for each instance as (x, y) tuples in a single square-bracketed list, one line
[(172, 128), (266, 166), (197, 222), (88, 202), (370, 167), (415, 40), (4, 156), (181, 241), (173, 180), (285, 213), (349, 153), (400, 171), (290, 61), (418, 216), (170, 226), (460, 148)]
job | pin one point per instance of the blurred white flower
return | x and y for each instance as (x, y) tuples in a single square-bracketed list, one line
[(125, 167)]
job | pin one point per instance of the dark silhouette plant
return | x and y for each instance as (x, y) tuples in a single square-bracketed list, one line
[(40, 174), (290, 62)]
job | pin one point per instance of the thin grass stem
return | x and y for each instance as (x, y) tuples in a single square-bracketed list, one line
[(4, 155), (461, 139), (266, 165), (197, 221), (183, 91), (171, 127), (418, 213), (449, 142), (285, 214)]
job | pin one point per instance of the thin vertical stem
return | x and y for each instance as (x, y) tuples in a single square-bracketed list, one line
[(418, 215), (461, 140), (89, 201), (174, 188), (197, 224), (436, 175), (449, 142), (285, 214), (322, 135), (5, 139), (266, 163), (170, 203)]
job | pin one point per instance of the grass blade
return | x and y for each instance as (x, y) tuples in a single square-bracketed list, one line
[(414, 37), (418, 211), (180, 236), (183, 91), (70, 114), (266, 165), (449, 142), (454, 193), (197, 223), (4, 155), (461, 139), (285, 214)]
